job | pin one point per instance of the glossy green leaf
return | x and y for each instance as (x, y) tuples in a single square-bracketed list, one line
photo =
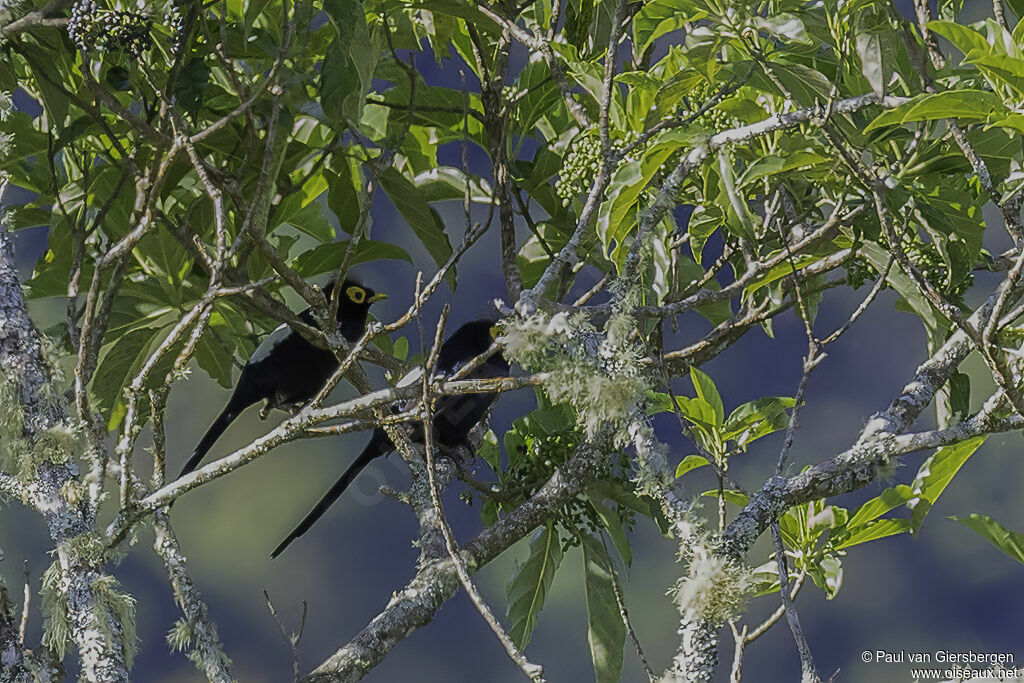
[(756, 419), (872, 66), (215, 359), (995, 533), (737, 498), (773, 164), (879, 528), (327, 257), (528, 588), (965, 39), (935, 474), (488, 449), (708, 392), (970, 105), (828, 575), (425, 222), (606, 634), (348, 66), (658, 17), (1001, 69), (114, 371), (447, 183), (786, 25), (690, 462), (879, 505)]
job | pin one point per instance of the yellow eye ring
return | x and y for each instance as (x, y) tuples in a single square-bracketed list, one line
[(356, 294)]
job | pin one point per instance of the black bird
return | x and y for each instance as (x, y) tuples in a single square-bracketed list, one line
[(454, 416), (286, 369)]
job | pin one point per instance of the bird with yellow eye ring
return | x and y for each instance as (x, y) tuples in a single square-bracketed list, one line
[(286, 369)]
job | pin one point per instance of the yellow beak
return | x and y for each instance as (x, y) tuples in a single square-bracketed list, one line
[(378, 297)]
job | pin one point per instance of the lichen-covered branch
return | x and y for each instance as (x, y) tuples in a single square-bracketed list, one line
[(435, 583), (86, 600)]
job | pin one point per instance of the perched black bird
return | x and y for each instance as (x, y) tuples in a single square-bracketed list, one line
[(454, 416), (286, 369)]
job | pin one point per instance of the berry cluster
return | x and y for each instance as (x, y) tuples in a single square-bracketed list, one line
[(176, 25), (858, 271), (535, 457), (580, 165), (926, 257), (929, 261), (94, 28), (714, 118), (582, 159)]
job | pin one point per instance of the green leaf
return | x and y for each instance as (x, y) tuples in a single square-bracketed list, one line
[(779, 163), (806, 84), (606, 634), (348, 65), (878, 506), (642, 505), (449, 183), (25, 142), (785, 25), (871, 531), (741, 219), (965, 39), (529, 585), (659, 17), (737, 498), (952, 104), (934, 324), (326, 257), (616, 217), (309, 219), (624, 189), (690, 462), (1009, 542), (163, 251), (1002, 69), (191, 85), (461, 10), (488, 449), (424, 221), (611, 523), (869, 49), (343, 195), (828, 575), (708, 392), (52, 62), (215, 360), (755, 419), (935, 474), (115, 369), (401, 352)]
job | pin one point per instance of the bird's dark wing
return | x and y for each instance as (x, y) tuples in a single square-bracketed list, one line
[(378, 446)]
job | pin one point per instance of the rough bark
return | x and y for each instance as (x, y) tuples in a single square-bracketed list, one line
[(94, 630)]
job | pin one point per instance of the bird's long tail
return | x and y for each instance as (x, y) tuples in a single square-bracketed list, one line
[(226, 417), (378, 446)]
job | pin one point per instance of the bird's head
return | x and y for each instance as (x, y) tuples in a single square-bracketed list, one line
[(480, 333), (468, 341), (355, 300)]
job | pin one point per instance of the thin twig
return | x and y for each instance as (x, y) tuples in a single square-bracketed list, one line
[(532, 671)]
